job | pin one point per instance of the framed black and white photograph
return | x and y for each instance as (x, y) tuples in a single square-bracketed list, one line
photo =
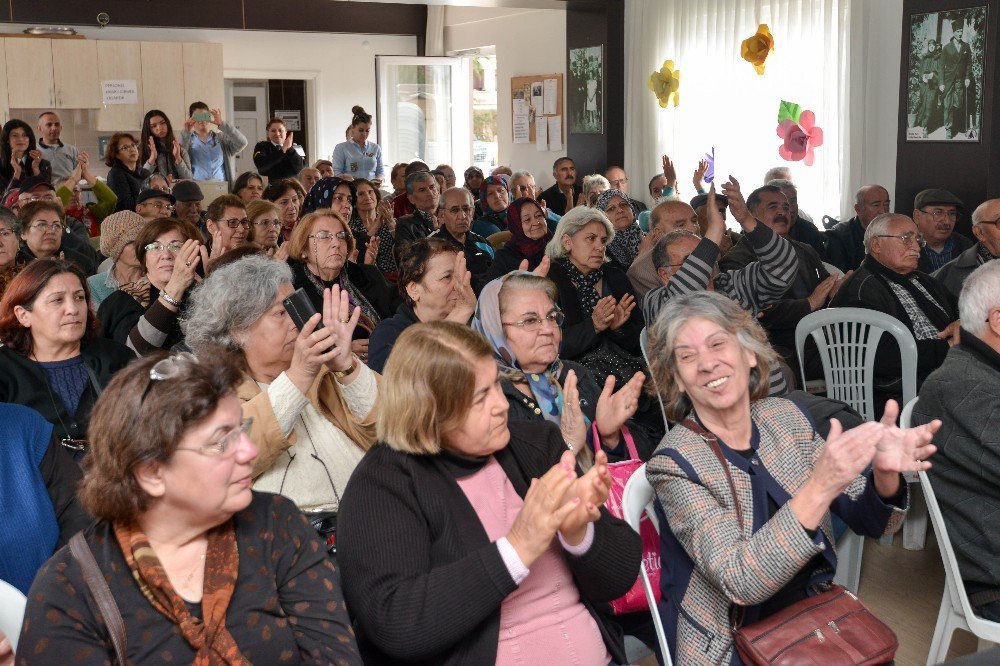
[(945, 75), (586, 90)]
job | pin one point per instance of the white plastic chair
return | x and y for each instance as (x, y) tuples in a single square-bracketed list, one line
[(12, 604), (850, 548), (643, 344), (956, 612), (847, 339), (638, 498), (832, 270)]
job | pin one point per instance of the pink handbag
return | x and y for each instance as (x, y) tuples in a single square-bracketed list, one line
[(635, 599)]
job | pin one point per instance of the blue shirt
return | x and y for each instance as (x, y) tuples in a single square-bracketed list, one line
[(352, 159), (207, 158)]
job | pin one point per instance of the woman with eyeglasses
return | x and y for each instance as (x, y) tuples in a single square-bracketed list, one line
[(202, 569), (373, 219), (227, 224), (285, 195), (313, 402), (159, 147), (319, 252), (51, 358), (19, 156), (43, 225), (11, 263), (127, 175), (265, 227), (169, 251)]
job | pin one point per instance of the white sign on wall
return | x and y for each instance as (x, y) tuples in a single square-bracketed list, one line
[(293, 119), (119, 91)]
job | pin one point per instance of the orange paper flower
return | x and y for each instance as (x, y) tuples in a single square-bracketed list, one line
[(664, 84), (757, 47)]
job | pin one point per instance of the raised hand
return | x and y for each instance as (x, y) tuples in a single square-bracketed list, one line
[(465, 306), (817, 298), (571, 422), (669, 172), (36, 161), (175, 150), (15, 164), (541, 270), (698, 179), (544, 511), (614, 409), (281, 252), (152, 152), (218, 247), (845, 456), (216, 116), (903, 450), (715, 227), (314, 347), (591, 491), (341, 322), (622, 312), (604, 313), (189, 124), (287, 143), (371, 251), (738, 205)]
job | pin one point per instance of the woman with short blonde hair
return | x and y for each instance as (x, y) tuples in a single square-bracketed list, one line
[(459, 518)]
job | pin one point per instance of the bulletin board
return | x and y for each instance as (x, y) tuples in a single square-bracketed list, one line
[(522, 88)]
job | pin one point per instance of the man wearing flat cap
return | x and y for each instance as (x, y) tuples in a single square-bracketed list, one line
[(935, 212)]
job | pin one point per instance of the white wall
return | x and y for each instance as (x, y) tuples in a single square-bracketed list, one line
[(340, 66), (527, 42)]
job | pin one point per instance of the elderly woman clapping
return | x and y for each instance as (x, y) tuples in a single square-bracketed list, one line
[(773, 545), (313, 406), (202, 569), (519, 317), (468, 540)]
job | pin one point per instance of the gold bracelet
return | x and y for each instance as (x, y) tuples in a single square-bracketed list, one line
[(339, 374)]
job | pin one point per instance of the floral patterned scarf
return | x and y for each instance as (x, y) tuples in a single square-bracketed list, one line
[(624, 247), (586, 285), (213, 643)]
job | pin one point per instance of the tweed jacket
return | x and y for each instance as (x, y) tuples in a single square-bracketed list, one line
[(711, 560)]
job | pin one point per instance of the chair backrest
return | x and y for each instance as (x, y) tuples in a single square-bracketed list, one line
[(638, 497), (906, 415), (643, 345), (847, 339), (832, 270), (12, 604)]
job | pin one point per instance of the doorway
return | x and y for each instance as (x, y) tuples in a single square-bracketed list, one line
[(249, 114)]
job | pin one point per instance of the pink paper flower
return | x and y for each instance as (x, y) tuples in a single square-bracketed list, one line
[(800, 138)]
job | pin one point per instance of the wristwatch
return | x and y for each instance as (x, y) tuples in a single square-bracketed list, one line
[(344, 373)]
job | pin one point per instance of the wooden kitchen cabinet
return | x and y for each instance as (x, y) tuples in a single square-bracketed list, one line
[(74, 68)]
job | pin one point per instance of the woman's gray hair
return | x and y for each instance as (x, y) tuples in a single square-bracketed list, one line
[(880, 227), (525, 281), (9, 220), (727, 315), (980, 295), (230, 301), (571, 223), (589, 182)]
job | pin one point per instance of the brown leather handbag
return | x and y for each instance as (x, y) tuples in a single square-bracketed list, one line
[(832, 628)]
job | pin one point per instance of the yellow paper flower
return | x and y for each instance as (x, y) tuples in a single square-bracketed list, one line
[(757, 47), (664, 84)]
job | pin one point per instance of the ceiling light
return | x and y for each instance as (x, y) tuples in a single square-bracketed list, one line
[(49, 31)]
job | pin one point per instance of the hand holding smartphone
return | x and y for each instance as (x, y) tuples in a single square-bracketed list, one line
[(300, 308)]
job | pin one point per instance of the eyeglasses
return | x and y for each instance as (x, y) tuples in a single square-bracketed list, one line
[(326, 236), (168, 368), (995, 222), (939, 214), (466, 210), (618, 181), (129, 146), (264, 224), (173, 246), (159, 205), (224, 448), (47, 226), (534, 323), (908, 238), (234, 222)]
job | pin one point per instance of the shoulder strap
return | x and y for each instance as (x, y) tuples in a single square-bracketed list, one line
[(93, 379), (102, 593)]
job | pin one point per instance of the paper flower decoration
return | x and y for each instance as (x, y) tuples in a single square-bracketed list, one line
[(800, 137), (664, 84), (710, 172), (757, 47)]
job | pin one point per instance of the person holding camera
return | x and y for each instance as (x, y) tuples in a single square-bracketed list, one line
[(211, 152)]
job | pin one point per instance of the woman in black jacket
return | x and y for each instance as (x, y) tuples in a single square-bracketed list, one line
[(602, 324), (51, 359), (529, 235), (19, 156), (477, 520), (126, 175)]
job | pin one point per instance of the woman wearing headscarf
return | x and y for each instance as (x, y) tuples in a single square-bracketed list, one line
[(494, 196), (529, 235), (622, 211), (118, 234)]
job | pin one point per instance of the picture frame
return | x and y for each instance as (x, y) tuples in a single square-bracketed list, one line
[(586, 90)]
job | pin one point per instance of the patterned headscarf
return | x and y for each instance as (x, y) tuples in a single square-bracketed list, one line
[(624, 247), (473, 170), (518, 242), (545, 387), (321, 194)]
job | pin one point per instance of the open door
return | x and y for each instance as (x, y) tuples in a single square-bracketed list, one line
[(424, 110)]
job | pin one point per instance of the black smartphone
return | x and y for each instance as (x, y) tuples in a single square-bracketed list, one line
[(300, 308)]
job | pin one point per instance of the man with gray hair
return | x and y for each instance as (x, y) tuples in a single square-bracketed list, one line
[(985, 219), (422, 193), (455, 213), (668, 216), (888, 281), (845, 243), (965, 394)]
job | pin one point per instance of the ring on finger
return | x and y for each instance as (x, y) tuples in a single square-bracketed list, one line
[(344, 321)]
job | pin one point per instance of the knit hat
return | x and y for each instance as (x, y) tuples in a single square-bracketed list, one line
[(118, 230)]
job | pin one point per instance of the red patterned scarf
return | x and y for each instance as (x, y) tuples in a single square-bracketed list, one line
[(213, 642)]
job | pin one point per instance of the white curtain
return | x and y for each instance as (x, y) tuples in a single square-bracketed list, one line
[(725, 104)]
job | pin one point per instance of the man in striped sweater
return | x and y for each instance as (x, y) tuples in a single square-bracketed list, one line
[(686, 263)]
